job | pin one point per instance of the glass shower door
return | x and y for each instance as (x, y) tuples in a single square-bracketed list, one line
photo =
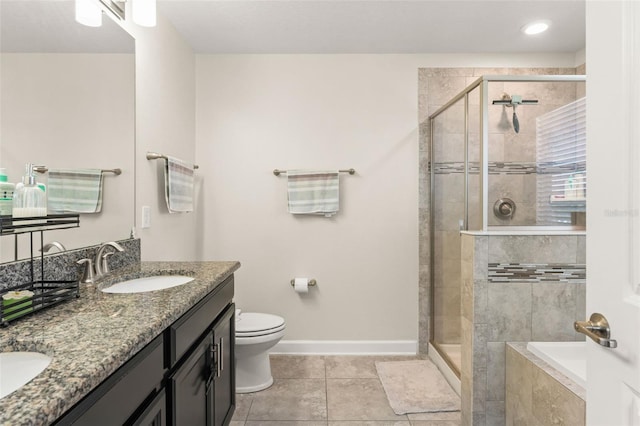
[(448, 217)]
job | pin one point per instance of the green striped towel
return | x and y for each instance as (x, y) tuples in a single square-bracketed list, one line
[(74, 191), (178, 179), (313, 192)]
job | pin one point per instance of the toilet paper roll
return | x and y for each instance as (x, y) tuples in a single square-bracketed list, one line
[(301, 285)]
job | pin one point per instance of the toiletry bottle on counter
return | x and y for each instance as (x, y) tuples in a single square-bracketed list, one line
[(6, 194), (29, 199), (581, 186), (570, 188)]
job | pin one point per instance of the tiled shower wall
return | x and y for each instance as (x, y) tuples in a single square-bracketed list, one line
[(515, 289), (436, 87)]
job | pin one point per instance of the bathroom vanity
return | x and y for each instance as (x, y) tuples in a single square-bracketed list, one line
[(156, 358)]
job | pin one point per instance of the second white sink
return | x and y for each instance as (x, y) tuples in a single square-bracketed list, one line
[(19, 368), (145, 284)]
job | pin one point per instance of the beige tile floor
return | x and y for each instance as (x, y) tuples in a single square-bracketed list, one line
[(327, 391)]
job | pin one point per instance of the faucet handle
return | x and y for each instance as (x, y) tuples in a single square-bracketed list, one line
[(87, 274), (104, 261)]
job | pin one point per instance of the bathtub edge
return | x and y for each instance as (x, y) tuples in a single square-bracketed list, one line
[(570, 384)]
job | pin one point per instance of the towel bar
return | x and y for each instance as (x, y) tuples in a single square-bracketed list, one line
[(277, 172), (157, 156), (44, 169)]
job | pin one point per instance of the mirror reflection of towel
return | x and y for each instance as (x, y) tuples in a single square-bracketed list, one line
[(178, 179), (313, 192), (74, 191)]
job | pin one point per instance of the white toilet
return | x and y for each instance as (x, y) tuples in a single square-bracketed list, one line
[(255, 335)]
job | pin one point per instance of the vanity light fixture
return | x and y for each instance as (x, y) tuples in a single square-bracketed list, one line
[(144, 12), (89, 12), (536, 27)]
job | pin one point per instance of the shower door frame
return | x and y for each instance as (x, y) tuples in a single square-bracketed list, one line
[(483, 84)]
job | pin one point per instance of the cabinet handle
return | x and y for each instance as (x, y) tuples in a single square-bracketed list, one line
[(221, 357), (213, 367)]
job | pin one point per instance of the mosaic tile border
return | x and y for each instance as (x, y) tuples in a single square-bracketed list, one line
[(537, 272), (508, 168), (495, 167)]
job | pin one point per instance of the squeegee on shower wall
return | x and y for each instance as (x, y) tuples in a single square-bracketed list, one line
[(511, 101), (514, 101)]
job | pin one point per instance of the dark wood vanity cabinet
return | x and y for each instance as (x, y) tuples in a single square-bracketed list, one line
[(201, 383), (202, 388), (124, 394), (224, 382), (155, 413), (184, 377)]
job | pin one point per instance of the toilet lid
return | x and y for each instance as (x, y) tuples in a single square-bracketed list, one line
[(249, 323)]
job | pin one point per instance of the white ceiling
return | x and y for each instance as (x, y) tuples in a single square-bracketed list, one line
[(364, 26), (46, 26), (312, 26)]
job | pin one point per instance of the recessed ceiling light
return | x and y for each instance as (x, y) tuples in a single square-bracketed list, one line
[(536, 27)]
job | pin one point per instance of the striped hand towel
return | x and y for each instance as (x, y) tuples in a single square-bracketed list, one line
[(74, 191), (313, 192), (178, 179)]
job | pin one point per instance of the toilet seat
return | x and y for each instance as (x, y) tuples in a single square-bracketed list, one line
[(251, 324)]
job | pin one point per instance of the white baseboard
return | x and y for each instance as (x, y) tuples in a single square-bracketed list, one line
[(346, 347), (442, 365)]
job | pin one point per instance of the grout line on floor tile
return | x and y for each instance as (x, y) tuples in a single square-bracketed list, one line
[(246, 418), (326, 388)]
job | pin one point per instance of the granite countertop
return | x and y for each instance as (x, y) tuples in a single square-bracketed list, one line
[(89, 338)]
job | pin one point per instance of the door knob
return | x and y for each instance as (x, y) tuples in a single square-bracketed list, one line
[(597, 329)]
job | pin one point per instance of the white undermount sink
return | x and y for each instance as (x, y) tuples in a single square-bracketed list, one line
[(145, 284), (19, 368)]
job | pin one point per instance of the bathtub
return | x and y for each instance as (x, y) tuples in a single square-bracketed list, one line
[(569, 358)]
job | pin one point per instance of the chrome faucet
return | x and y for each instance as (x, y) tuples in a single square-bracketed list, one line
[(100, 262)]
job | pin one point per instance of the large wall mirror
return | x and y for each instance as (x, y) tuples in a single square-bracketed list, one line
[(67, 99)]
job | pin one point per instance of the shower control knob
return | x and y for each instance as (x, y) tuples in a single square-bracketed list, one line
[(504, 208)]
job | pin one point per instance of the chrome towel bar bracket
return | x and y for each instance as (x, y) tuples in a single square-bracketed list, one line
[(157, 156)]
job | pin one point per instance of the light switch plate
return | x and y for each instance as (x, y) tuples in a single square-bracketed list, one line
[(146, 217)]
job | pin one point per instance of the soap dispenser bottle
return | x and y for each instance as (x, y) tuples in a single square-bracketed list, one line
[(6, 194), (29, 199)]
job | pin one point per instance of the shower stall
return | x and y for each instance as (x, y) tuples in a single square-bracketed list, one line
[(506, 154)]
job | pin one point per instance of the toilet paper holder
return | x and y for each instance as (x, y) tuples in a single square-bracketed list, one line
[(312, 282)]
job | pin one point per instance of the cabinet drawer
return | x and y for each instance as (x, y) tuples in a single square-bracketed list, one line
[(119, 396), (183, 333)]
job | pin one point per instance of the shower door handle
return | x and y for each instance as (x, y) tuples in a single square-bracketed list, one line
[(597, 329)]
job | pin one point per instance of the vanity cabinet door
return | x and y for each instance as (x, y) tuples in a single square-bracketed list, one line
[(156, 413), (188, 387), (224, 385), (202, 389)]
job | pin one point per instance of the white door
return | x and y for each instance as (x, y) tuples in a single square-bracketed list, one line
[(613, 220)]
